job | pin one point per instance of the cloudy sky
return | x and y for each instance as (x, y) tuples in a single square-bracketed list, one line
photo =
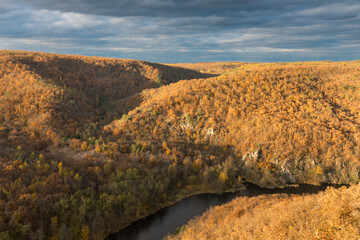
[(185, 30)]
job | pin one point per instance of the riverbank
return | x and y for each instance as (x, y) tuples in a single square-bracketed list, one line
[(167, 218), (186, 193)]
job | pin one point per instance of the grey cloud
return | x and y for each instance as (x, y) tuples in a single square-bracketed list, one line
[(185, 31), (174, 8), (338, 11)]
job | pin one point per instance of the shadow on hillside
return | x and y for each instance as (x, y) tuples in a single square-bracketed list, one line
[(215, 155), (105, 83), (86, 72), (180, 73)]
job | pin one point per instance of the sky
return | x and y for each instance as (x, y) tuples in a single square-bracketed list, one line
[(172, 31)]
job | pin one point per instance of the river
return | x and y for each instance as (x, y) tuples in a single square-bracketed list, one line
[(156, 226)]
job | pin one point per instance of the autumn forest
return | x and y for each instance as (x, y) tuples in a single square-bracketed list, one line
[(88, 145)]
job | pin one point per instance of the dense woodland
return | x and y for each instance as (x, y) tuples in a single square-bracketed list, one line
[(62, 176), (88, 145)]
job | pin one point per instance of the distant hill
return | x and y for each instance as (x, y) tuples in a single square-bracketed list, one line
[(212, 67)]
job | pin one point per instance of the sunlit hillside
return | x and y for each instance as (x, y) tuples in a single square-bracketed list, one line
[(333, 214), (281, 123)]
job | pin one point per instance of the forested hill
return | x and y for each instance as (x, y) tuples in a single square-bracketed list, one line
[(285, 123), (88, 144)]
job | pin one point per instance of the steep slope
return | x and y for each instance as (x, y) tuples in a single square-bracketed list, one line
[(280, 124), (333, 214)]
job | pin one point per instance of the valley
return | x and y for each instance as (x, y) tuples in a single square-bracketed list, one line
[(90, 145)]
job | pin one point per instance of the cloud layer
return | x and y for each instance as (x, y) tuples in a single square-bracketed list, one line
[(187, 30)]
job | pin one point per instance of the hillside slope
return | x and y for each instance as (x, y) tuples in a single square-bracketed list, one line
[(280, 124), (333, 214)]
